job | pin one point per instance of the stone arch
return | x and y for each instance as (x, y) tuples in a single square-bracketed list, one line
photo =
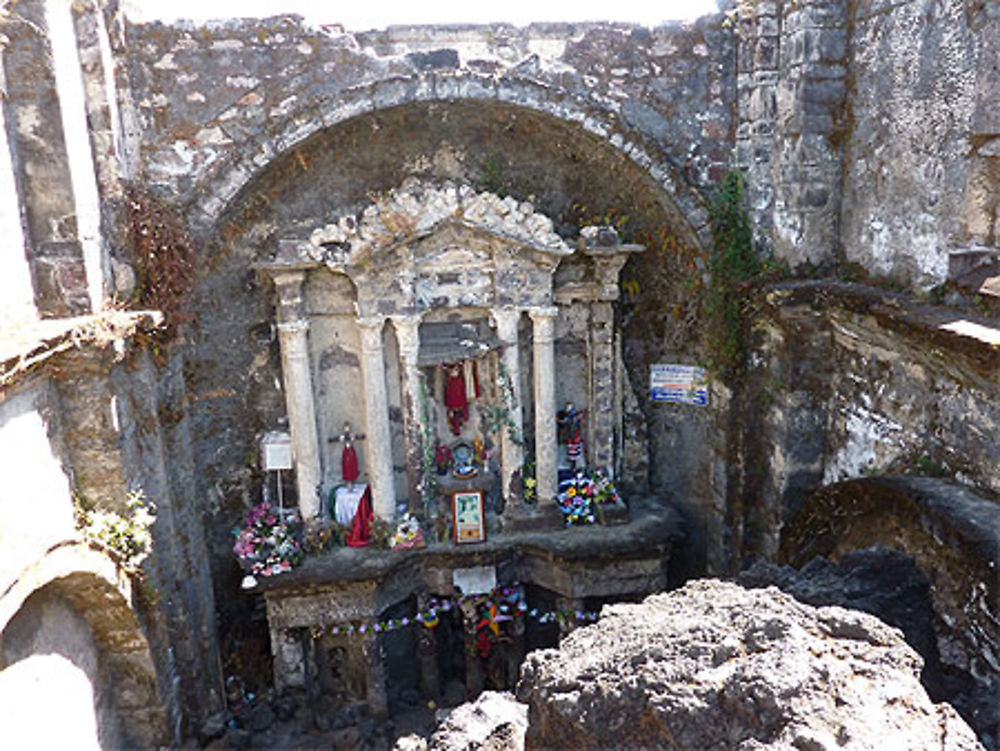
[(95, 588), (952, 533), (215, 189)]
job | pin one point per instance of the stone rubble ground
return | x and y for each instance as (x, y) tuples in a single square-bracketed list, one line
[(287, 724), (711, 666)]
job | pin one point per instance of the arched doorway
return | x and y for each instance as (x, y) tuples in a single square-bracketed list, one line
[(75, 667)]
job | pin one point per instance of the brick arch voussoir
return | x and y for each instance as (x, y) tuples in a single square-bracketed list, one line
[(102, 593), (214, 192)]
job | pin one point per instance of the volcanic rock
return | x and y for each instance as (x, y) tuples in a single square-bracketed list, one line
[(717, 666)]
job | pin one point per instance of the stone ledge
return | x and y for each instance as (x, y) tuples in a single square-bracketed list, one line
[(956, 330), (32, 343), (653, 532)]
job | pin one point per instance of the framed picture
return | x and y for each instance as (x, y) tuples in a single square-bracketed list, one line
[(468, 517)]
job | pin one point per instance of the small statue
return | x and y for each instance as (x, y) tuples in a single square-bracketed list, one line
[(349, 470), (462, 464), (570, 427), (461, 386), (479, 452), (442, 459), (456, 400)]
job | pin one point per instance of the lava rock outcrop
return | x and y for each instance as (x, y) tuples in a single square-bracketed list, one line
[(717, 666)]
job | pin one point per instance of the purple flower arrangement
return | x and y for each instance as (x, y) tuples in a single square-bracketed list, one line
[(267, 544)]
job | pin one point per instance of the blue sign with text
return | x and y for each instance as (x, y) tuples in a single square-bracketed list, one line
[(678, 384)]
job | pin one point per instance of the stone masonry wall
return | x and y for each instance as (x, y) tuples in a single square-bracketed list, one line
[(41, 169), (156, 452), (849, 381), (218, 103), (792, 85), (916, 69), (867, 134)]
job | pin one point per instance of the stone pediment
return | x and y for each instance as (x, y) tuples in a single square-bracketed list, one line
[(416, 209), (424, 247)]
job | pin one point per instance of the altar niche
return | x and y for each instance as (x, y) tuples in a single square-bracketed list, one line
[(439, 326), (461, 409)]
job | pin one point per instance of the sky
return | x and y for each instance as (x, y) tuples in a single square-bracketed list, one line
[(373, 14)]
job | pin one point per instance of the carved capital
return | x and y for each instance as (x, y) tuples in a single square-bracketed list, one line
[(506, 320), (544, 320), (371, 333), (408, 335)]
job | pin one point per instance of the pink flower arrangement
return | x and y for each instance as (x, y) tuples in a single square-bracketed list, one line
[(266, 544)]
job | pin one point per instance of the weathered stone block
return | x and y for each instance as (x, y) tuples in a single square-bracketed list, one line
[(395, 91), (434, 59)]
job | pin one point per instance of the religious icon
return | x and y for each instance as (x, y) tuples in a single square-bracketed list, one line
[(349, 470), (442, 459), (463, 463), (469, 517), (570, 428), (461, 386)]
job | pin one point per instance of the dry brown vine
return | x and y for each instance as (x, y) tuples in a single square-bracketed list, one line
[(164, 253)]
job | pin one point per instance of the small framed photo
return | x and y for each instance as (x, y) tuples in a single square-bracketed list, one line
[(468, 516)]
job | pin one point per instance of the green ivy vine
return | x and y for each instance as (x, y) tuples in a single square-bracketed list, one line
[(734, 269)]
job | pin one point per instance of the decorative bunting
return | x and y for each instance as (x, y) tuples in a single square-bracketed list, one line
[(502, 604)]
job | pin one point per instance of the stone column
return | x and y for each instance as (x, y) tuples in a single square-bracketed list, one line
[(375, 689), (546, 453), (602, 412), (511, 453), (377, 418), (294, 342), (408, 336), (427, 655)]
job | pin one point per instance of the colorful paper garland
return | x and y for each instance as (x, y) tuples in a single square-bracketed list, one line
[(430, 619)]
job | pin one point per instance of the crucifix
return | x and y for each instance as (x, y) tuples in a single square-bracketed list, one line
[(348, 457)]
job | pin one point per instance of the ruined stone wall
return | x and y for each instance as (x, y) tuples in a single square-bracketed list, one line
[(866, 142), (53, 428), (36, 506), (92, 431), (918, 76), (42, 171), (217, 103), (792, 81), (96, 429), (866, 133), (156, 454), (857, 382), (849, 381)]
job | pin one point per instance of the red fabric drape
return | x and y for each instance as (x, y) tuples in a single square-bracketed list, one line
[(361, 532), (454, 389)]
